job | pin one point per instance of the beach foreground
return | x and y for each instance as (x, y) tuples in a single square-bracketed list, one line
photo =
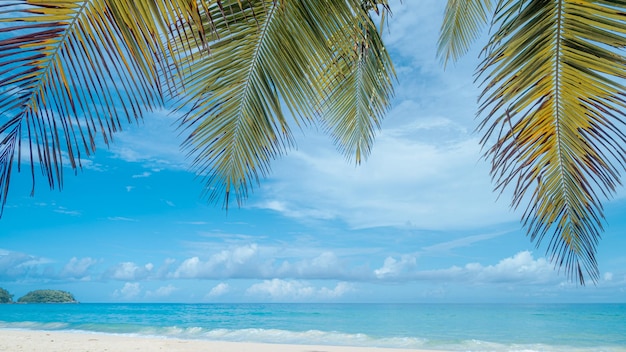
[(58, 341)]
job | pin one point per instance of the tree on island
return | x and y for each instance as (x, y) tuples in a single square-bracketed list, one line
[(553, 100), (47, 296), (5, 296)]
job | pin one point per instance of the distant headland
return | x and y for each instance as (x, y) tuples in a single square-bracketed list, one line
[(39, 296)]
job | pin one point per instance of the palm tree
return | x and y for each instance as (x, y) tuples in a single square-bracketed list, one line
[(553, 109), (553, 98), (73, 70)]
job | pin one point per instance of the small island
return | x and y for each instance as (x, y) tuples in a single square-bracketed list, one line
[(5, 296), (47, 296)]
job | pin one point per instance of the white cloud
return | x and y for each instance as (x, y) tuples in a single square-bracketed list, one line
[(254, 262), (193, 222), (404, 181), (293, 290), (219, 290), (226, 237), (521, 268), (129, 291), (410, 40), (20, 265), (154, 143), (78, 268), (237, 262), (81, 163), (463, 242), (281, 289), (165, 268), (394, 268), (63, 210), (191, 268), (129, 271), (608, 276), (164, 291), (325, 266), (143, 175), (88, 164), (121, 218), (338, 291), (16, 265)]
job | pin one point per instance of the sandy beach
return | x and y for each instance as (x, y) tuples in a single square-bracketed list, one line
[(57, 341)]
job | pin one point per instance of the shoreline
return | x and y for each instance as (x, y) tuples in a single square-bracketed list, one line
[(15, 340)]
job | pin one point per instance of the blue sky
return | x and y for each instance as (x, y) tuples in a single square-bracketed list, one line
[(418, 222)]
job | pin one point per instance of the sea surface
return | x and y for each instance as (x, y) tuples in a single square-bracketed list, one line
[(450, 327)]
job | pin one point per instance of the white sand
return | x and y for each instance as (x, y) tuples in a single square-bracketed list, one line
[(55, 341)]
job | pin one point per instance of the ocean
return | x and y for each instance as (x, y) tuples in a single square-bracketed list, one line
[(450, 327)]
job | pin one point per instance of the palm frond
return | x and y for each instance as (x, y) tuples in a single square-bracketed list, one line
[(463, 22), (265, 55), (358, 86), (554, 125), (233, 101), (75, 69)]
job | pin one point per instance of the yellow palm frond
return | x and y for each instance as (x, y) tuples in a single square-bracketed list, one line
[(554, 108)]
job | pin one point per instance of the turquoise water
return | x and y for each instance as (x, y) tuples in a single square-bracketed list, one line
[(453, 327)]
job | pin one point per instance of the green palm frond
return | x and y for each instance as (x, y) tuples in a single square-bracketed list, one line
[(463, 22), (75, 69), (235, 117), (554, 107), (265, 55), (80, 68), (359, 84)]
